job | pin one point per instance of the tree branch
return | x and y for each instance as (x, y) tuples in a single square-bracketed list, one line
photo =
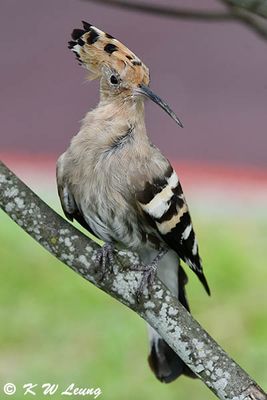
[(258, 7), (167, 11), (162, 311), (247, 16), (238, 11)]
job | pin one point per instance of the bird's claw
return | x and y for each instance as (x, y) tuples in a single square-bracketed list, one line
[(104, 259), (148, 278)]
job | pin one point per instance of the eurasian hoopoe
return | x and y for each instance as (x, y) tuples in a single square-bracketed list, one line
[(119, 186)]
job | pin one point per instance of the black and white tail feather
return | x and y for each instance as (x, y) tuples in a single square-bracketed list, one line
[(163, 361), (164, 203)]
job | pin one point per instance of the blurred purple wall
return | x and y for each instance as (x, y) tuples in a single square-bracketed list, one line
[(214, 75)]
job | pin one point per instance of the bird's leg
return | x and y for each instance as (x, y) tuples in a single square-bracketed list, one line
[(150, 272), (104, 259)]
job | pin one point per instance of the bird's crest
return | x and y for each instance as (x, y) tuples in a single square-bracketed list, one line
[(95, 49)]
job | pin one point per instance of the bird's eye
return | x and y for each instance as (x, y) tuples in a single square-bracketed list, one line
[(114, 80)]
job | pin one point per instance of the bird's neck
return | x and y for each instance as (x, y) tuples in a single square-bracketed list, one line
[(111, 132), (111, 119), (122, 109)]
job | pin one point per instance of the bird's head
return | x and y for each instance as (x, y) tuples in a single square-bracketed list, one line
[(121, 72)]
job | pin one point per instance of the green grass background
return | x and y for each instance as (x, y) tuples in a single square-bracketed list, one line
[(55, 327)]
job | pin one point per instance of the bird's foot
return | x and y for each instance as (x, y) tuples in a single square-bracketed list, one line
[(104, 259), (148, 278), (149, 274)]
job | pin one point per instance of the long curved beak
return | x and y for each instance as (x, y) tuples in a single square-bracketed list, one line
[(146, 91)]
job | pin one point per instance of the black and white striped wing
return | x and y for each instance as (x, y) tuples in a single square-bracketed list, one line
[(164, 202)]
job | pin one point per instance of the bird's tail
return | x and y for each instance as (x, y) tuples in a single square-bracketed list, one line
[(163, 361)]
